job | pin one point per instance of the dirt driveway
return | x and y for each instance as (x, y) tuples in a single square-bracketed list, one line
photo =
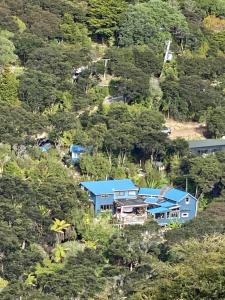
[(186, 130)]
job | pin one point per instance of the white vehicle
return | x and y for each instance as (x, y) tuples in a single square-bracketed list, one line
[(166, 130)]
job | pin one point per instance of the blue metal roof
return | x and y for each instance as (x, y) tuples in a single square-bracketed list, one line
[(152, 200), (172, 194), (77, 149), (167, 204), (109, 186), (175, 195), (149, 191), (158, 210)]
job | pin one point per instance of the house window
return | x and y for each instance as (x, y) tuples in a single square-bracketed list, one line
[(185, 215), (187, 200), (131, 193), (120, 193), (174, 214), (104, 196), (159, 216), (106, 207)]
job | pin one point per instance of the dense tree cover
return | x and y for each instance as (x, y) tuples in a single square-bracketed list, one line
[(151, 23), (60, 62)]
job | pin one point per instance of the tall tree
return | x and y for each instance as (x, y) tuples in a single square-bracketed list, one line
[(9, 88), (103, 17), (151, 23)]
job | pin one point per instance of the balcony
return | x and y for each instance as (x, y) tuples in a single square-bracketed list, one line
[(130, 219)]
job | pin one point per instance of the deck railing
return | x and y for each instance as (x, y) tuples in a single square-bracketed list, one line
[(131, 219)]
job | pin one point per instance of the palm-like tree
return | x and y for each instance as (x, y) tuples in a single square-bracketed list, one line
[(59, 227)]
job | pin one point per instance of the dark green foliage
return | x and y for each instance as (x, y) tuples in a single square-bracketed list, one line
[(194, 104), (215, 123), (151, 23), (210, 221), (178, 146), (79, 276), (18, 124), (38, 90), (56, 60), (207, 68), (42, 23), (51, 246), (25, 43)]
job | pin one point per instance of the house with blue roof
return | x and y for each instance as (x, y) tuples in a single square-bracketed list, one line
[(76, 151), (104, 193), (131, 204), (169, 205)]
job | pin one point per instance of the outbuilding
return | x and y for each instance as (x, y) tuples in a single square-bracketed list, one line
[(208, 146)]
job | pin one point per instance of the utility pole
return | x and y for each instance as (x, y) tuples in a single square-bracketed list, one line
[(167, 56), (186, 184), (105, 66)]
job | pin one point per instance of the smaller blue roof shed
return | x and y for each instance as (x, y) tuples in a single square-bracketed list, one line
[(109, 186), (76, 151)]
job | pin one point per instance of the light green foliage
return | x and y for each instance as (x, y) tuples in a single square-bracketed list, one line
[(31, 280), (74, 33), (3, 283), (174, 166), (97, 94), (155, 93), (174, 225), (59, 253), (5, 156), (13, 168), (99, 231), (9, 88), (21, 25), (59, 225), (97, 166), (47, 267), (202, 202), (73, 248), (7, 48), (67, 138), (104, 17)]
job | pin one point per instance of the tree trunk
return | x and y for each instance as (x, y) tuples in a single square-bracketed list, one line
[(23, 245), (131, 267), (196, 191)]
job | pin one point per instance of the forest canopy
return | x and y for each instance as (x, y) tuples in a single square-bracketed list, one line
[(94, 73)]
